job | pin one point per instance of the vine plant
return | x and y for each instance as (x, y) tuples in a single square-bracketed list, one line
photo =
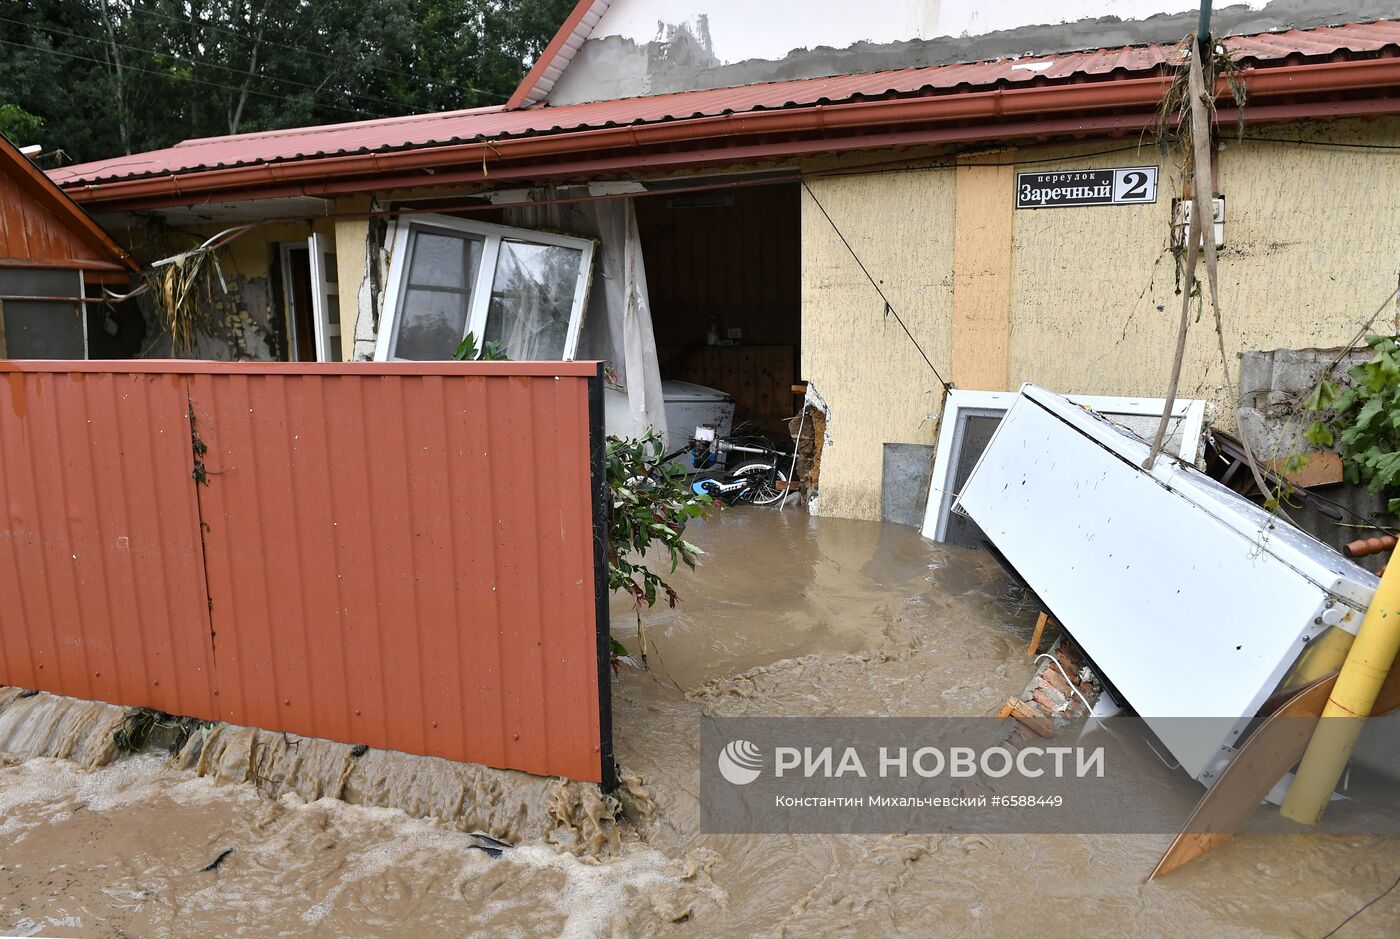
[(1363, 421)]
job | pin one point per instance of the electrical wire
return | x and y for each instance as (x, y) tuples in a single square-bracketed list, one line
[(1089, 712), (1363, 909), (311, 52), (1325, 143), (196, 81), (889, 307), (1088, 708), (242, 73)]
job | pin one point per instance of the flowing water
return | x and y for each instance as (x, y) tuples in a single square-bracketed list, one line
[(244, 833)]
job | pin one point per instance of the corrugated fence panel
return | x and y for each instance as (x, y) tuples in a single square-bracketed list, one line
[(404, 555), (406, 560), (101, 580)]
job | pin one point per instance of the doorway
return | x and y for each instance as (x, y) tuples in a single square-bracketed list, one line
[(297, 320), (724, 273)]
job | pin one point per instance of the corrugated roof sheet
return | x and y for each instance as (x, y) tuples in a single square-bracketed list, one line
[(489, 123)]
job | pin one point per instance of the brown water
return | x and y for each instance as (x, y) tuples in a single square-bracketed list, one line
[(788, 616)]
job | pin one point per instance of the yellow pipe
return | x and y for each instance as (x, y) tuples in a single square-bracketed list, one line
[(1358, 684), (1321, 658)]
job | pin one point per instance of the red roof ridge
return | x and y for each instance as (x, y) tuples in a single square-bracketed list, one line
[(314, 128)]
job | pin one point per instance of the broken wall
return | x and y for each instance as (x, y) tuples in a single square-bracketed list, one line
[(238, 307), (1310, 235), (1273, 385), (648, 47)]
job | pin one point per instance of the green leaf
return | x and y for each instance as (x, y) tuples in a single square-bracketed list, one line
[(466, 349), (1318, 434), (1368, 413), (1322, 396)]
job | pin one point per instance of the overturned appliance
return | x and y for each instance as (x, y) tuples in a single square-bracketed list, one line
[(1193, 603)]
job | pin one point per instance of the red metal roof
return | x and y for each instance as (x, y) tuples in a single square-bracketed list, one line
[(423, 131)]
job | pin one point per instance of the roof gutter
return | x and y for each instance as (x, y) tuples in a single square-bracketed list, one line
[(980, 115)]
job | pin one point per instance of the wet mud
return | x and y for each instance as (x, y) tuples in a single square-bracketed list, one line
[(786, 616)]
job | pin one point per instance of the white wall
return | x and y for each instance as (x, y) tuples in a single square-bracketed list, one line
[(769, 29)]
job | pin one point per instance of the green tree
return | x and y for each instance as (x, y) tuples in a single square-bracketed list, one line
[(115, 76), (18, 124)]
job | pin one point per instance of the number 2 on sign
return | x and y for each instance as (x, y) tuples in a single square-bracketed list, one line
[(1137, 184)]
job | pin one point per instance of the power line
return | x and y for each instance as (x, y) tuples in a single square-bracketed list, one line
[(206, 64), (197, 81), (312, 52), (1326, 143)]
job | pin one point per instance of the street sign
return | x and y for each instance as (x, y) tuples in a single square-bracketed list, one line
[(1125, 186)]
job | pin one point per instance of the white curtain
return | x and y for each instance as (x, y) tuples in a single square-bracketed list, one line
[(617, 325)]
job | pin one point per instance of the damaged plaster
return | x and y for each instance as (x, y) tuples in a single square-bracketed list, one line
[(235, 325), (682, 55), (368, 297)]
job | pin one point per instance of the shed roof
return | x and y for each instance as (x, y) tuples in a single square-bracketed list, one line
[(40, 226)]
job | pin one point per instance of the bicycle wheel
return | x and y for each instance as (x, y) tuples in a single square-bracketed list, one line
[(762, 491)]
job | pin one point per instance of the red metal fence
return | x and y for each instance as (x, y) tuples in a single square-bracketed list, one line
[(407, 555)]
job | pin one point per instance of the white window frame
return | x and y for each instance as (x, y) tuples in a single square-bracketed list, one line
[(284, 260), (323, 293), (961, 405), (492, 236)]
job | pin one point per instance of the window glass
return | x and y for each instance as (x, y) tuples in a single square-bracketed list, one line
[(433, 312), (532, 298), (441, 260), (509, 286), (41, 329), (432, 323)]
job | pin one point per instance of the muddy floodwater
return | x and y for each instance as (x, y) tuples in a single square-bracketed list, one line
[(243, 835)]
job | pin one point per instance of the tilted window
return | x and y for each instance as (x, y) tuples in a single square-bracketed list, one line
[(523, 289)]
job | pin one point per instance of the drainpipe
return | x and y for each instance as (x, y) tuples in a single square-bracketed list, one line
[(1203, 32), (1353, 697)]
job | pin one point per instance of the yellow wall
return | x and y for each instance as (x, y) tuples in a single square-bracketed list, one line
[(1310, 251), (856, 357), (350, 234)]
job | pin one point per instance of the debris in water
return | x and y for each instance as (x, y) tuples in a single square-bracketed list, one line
[(494, 847), (214, 864)]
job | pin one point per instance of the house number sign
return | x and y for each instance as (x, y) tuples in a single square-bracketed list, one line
[(1131, 184)]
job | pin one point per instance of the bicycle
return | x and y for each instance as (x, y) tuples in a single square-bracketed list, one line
[(760, 480)]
